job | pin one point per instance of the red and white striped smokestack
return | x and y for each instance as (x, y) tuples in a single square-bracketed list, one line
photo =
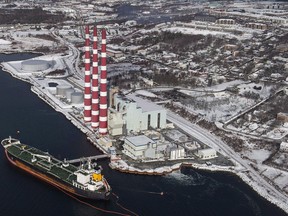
[(95, 100), (103, 88), (87, 79)]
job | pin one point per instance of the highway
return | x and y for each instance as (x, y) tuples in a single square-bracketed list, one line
[(72, 58)]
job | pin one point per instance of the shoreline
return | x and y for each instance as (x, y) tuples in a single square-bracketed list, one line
[(213, 168), (243, 175)]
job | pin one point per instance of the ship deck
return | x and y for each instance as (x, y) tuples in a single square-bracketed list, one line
[(59, 173), (54, 166)]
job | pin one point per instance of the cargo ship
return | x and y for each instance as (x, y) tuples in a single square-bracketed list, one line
[(84, 181)]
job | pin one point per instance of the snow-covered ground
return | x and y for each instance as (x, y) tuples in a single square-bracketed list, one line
[(55, 63), (186, 30), (26, 39), (4, 42), (261, 177), (217, 104)]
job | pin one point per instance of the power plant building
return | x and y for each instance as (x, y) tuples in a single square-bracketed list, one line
[(136, 114), (138, 147), (144, 147)]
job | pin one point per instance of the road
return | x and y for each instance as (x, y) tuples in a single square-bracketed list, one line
[(267, 190), (214, 142), (71, 61)]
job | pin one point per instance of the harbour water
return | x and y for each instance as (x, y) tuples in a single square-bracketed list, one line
[(188, 192)]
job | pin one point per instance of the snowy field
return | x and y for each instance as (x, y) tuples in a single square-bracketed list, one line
[(218, 104), (26, 39)]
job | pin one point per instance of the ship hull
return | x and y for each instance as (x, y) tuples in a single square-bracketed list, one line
[(55, 181)]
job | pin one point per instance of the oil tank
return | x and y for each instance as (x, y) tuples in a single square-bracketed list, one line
[(77, 97), (69, 93), (35, 65), (62, 89)]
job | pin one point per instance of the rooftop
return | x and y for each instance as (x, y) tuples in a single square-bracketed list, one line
[(146, 106), (139, 140)]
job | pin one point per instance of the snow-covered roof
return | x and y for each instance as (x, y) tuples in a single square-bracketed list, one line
[(207, 151), (139, 140), (146, 106)]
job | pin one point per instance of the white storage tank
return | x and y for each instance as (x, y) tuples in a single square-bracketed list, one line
[(69, 93), (77, 97), (62, 89), (35, 65)]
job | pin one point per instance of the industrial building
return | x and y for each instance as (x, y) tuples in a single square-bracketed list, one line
[(143, 147), (129, 114), (151, 146), (176, 152), (207, 153)]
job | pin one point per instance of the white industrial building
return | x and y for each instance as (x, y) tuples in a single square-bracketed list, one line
[(142, 147), (207, 153), (176, 152), (129, 114)]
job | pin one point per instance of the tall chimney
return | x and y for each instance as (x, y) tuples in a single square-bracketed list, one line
[(103, 88), (95, 100), (87, 79)]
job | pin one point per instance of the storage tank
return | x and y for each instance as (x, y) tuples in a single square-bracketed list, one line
[(62, 89), (77, 98), (69, 92), (35, 65)]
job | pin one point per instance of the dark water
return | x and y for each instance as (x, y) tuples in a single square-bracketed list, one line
[(136, 13), (187, 193)]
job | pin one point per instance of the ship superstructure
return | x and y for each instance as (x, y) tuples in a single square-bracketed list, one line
[(84, 181)]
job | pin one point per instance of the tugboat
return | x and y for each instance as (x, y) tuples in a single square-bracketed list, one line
[(85, 181)]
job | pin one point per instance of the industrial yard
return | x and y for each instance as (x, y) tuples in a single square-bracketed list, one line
[(189, 85)]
